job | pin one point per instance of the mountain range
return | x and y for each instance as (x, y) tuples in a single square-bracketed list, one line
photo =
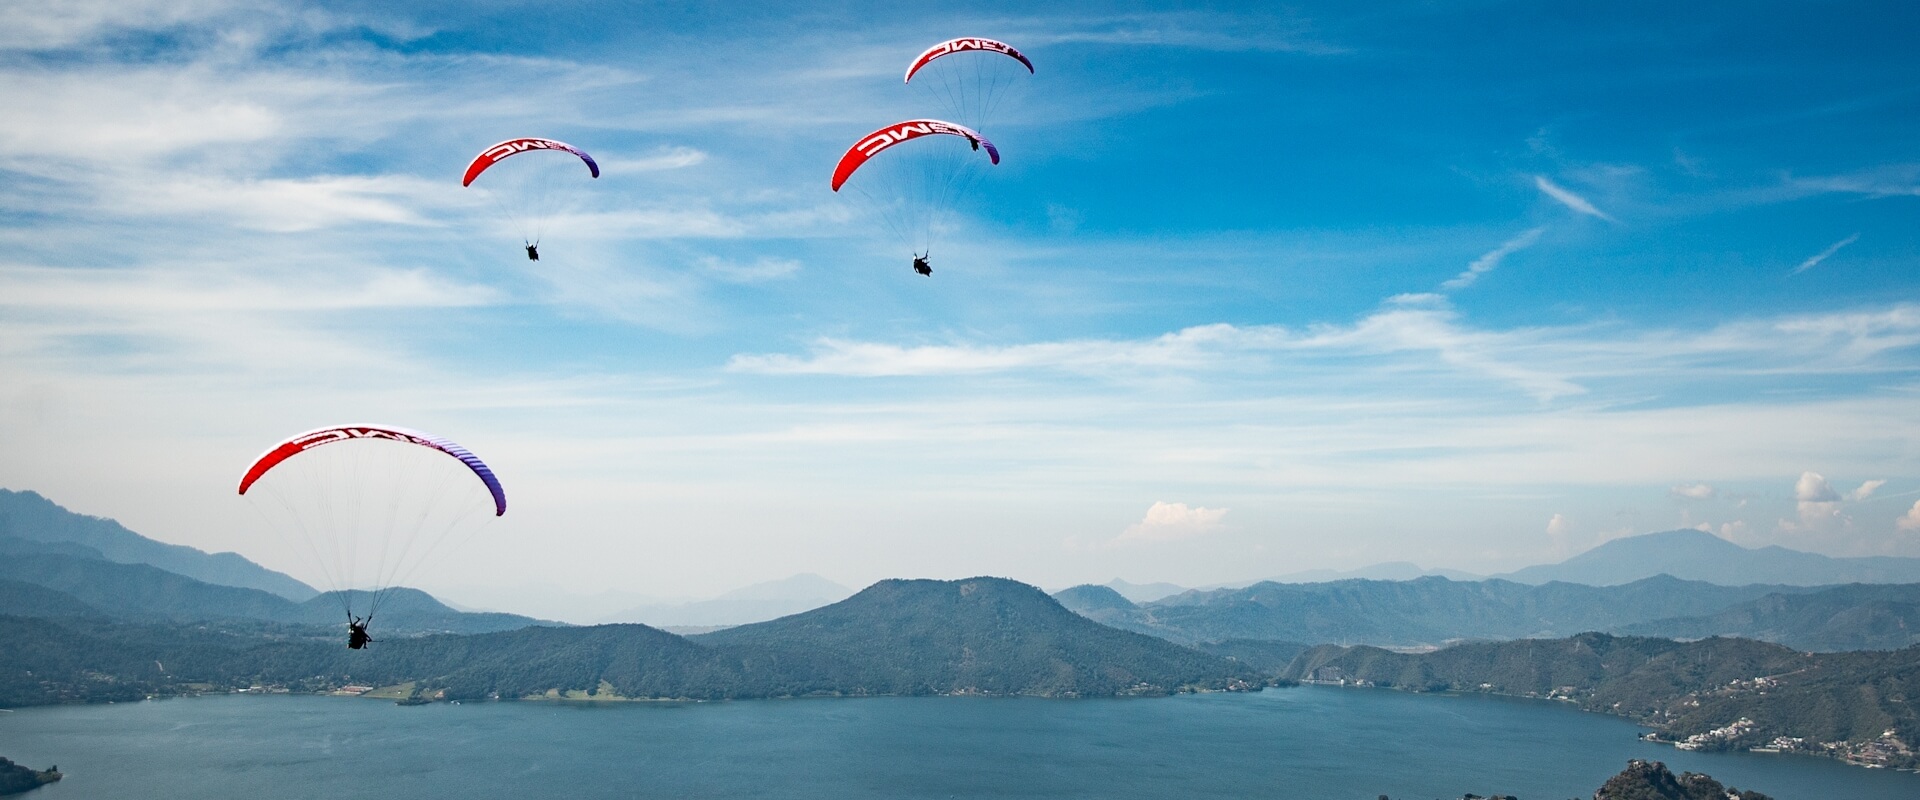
[(974, 636), (30, 517), (1434, 611), (54, 563)]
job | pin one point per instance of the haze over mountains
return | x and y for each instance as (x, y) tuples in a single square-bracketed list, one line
[(54, 563), (1701, 556), (756, 603)]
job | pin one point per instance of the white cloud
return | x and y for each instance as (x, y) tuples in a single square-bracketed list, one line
[(1865, 491), (1491, 260), (1569, 199), (1819, 506), (43, 26), (1558, 527), (1910, 521), (1891, 180), (1693, 491), (71, 291), (1167, 522), (660, 160), (1823, 255), (1402, 330), (1812, 487), (1187, 29), (276, 205)]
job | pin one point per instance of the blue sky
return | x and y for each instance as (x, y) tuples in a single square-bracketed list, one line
[(1255, 290)]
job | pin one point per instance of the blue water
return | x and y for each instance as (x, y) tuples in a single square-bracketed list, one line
[(1307, 742)]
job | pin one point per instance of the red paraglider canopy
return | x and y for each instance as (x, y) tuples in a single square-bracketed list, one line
[(961, 45), (496, 153), (899, 132), (346, 433)]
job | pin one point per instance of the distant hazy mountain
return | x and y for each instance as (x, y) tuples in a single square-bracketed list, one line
[(1144, 592), (27, 515), (1854, 617), (411, 611), (988, 635), (1701, 556), (143, 593), (756, 603), (1386, 571), (1425, 611), (547, 601), (1089, 600)]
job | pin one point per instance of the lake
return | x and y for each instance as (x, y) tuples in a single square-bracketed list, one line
[(1306, 742)]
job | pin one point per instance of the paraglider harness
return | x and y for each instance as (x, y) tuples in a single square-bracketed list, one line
[(357, 637), (533, 252), (921, 266)]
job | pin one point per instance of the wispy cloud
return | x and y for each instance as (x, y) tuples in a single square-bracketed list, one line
[(1491, 260), (759, 270), (1408, 335), (1893, 180), (1693, 491), (1569, 199), (1823, 255), (1198, 30)]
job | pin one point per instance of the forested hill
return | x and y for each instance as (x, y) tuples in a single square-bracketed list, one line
[(1854, 617), (1714, 693), (988, 635), (1424, 611)]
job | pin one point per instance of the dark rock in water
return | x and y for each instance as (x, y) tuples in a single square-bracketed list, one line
[(1651, 780), (15, 779)]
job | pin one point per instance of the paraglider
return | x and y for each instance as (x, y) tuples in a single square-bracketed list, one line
[(970, 77), (529, 192), (373, 509), (915, 192), (913, 189)]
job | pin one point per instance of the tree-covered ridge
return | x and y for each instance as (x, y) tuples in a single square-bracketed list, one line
[(1437, 611), (979, 636), (1710, 694), (1851, 617)]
